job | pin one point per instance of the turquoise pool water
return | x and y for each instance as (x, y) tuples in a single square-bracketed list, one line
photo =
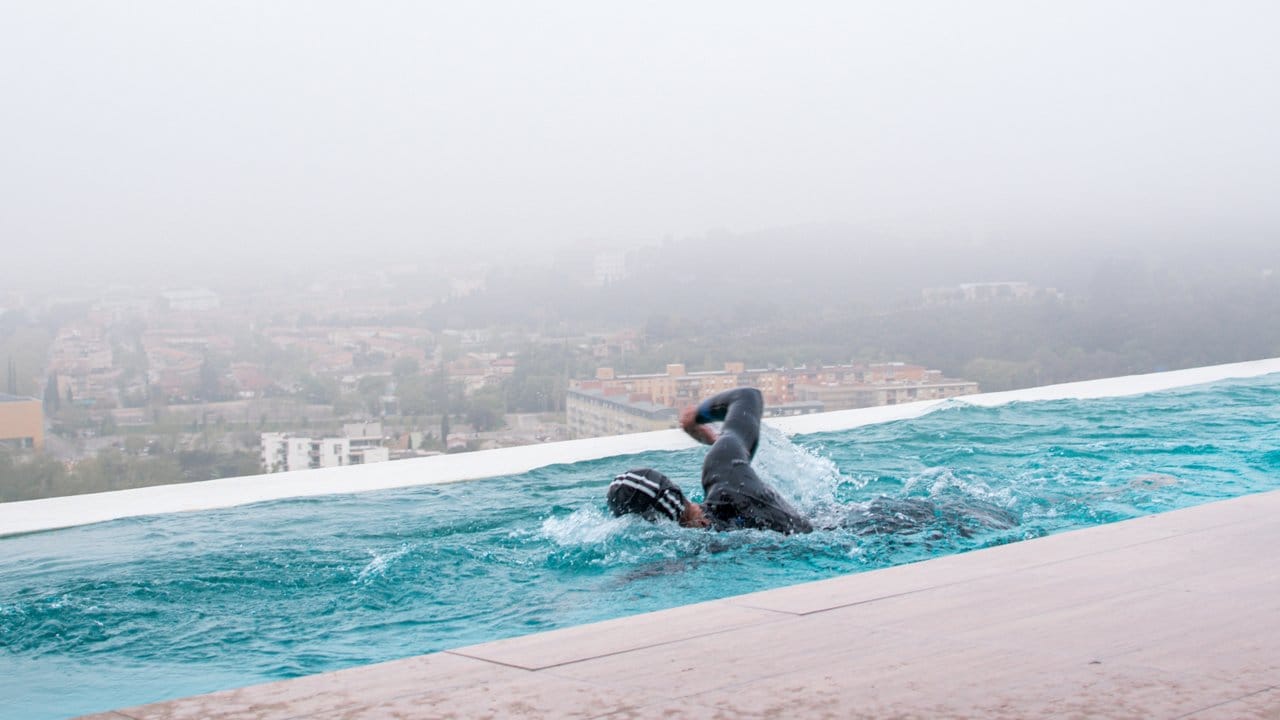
[(144, 609)]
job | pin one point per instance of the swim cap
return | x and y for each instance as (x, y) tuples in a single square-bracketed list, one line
[(646, 492)]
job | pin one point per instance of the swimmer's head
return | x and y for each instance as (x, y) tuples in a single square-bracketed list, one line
[(647, 493)]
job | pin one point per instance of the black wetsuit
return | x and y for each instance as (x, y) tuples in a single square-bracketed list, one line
[(735, 496)]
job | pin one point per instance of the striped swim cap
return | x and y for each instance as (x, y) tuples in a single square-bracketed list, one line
[(646, 492)]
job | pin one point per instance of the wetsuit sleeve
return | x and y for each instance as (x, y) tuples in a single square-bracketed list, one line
[(740, 409), (735, 495)]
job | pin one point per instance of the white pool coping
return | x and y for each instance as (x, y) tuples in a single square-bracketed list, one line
[(54, 513)]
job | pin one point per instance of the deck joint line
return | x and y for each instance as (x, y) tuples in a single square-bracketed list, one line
[(782, 615), (1226, 702)]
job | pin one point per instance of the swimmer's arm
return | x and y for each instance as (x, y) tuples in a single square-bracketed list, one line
[(694, 419), (716, 408), (740, 409), (690, 423)]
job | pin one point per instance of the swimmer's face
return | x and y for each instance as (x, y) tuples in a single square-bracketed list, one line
[(694, 517)]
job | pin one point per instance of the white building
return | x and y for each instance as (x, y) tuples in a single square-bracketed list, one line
[(608, 268), (195, 299), (332, 452), (283, 453), (980, 292), (363, 443)]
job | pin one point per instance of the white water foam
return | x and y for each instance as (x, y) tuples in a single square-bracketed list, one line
[(584, 526), (801, 475), (380, 562), (940, 481)]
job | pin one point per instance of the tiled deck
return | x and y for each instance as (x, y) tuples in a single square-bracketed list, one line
[(1169, 616)]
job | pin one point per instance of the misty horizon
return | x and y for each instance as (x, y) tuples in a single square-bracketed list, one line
[(180, 138)]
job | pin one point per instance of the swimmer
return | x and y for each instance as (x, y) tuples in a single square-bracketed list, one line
[(735, 496)]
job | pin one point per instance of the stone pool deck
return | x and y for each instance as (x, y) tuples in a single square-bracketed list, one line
[(1169, 616)]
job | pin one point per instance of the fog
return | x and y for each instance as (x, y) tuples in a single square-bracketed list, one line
[(223, 219), (173, 138)]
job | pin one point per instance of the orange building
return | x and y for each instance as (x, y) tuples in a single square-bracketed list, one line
[(785, 390), (21, 422), (612, 404)]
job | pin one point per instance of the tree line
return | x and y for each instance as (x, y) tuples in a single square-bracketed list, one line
[(38, 475), (801, 297)]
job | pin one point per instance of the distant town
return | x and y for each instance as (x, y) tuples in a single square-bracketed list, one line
[(125, 385), (134, 387)]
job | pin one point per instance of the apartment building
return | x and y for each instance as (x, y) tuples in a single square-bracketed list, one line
[(596, 412), (361, 443), (983, 292), (841, 397), (190, 300), (21, 422), (614, 404)]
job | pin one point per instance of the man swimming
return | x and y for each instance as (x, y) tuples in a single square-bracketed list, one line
[(735, 497)]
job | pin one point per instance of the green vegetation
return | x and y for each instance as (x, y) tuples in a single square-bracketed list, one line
[(37, 475), (23, 349), (541, 377), (796, 297), (836, 296)]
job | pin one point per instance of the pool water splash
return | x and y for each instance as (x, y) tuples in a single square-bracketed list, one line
[(585, 526), (808, 478), (380, 561)]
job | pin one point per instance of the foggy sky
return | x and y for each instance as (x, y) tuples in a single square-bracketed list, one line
[(159, 132)]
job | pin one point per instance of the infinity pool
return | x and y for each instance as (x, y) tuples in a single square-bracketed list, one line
[(143, 609)]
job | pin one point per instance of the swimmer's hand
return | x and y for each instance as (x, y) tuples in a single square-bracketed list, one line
[(689, 423)]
